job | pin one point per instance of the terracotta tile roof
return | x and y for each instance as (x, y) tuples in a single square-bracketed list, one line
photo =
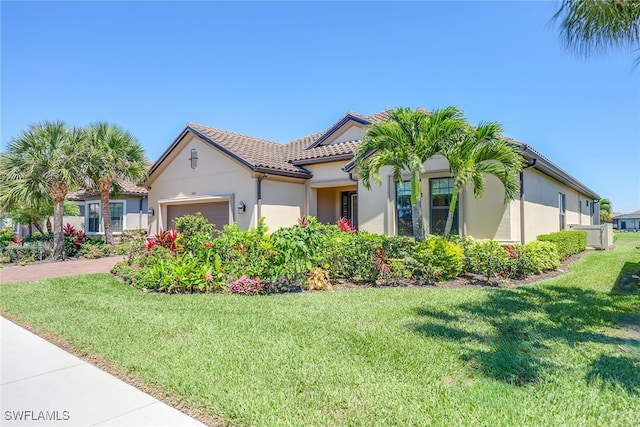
[(124, 187), (255, 152), (264, 154)]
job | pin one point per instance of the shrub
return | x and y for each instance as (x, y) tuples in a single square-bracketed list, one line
[(568, 242), (72, 240), (488, 258), (278, 286), (246, 286), (132, 243), (318, 280), (543, 256), (194, 230), (465, 243), (6, 236), (441, 259), (166, 239), (345, 225)]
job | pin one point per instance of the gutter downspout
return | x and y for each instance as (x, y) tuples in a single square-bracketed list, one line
[(259, 195), (532, 164)]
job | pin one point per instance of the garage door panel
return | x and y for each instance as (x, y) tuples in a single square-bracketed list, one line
[(216, 213)]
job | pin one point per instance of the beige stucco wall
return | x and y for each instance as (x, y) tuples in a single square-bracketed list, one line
[(282, 203), (541, 211), (488, 217), (215, 175)]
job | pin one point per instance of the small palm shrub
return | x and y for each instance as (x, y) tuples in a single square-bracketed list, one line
[(440, 259)]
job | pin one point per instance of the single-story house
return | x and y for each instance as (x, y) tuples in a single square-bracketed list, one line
[(628, 222), (128, 206), (230, 177)]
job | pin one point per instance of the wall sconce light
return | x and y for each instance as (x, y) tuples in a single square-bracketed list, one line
[(242, 208), (194, 158), (151, 212)]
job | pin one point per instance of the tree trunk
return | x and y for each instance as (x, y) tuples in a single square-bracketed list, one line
[(38, 227), (452, 210), (49, 228), (416, 207), (59, 193), (105, 191)]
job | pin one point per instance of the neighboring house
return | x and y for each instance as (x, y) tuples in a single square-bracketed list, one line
[(230, 177), (628, 222), (128, 206)]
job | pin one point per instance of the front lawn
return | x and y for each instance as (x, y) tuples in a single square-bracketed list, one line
[(565, 351)]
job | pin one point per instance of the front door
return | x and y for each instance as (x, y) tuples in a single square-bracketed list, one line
[(349, 203)]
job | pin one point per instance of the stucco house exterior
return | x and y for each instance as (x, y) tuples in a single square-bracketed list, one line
[(232, 177), (628, 222), (128, 206)]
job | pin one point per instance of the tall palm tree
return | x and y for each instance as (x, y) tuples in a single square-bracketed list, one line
[(478, 151), (594, 26), (115, 155), (405, 142), (44, 162)]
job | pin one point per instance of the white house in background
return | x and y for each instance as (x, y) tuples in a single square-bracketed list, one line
[(230, 177)]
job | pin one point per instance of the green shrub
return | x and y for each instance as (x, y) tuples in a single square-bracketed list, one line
[(542, 256), (487, 257), (132, 243), (194, 230), (353, 256), (441, 259), (568, 242), (6, 236), (465, 243)]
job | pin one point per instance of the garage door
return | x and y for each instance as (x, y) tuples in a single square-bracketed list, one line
[(216, 212)]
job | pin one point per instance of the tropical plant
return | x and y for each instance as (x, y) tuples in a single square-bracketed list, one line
[(595, 26), (115, 155), (41, 166), (474, 152), (606, 208), (405, 142), (441, 259)]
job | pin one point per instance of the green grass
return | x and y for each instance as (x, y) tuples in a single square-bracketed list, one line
[(562, 352)]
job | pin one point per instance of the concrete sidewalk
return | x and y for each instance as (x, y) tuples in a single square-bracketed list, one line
[(43, 385), (49, 270)]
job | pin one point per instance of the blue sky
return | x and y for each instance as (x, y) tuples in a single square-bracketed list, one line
[(284, 70)]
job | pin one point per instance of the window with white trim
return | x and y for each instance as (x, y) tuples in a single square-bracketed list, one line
[(94, 216)]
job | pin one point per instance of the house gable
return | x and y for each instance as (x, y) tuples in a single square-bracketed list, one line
[(343, 130)]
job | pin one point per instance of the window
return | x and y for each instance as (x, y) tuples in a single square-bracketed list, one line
[(562, 208), (404, 217), (94, 216), (441, 192), (117, 216)]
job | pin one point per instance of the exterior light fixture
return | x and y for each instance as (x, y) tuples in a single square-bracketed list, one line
[(242, 208), (194, 158), (151, 212)]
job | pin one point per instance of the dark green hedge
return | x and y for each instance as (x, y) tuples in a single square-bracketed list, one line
[(568, 242)]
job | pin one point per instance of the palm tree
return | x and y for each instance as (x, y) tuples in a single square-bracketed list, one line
[(115, 155), (605, 210), (594, 26), (478, 151), (43, 163), (405, 142)]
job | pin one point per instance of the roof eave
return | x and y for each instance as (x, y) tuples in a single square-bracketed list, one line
[(327, 159), (551, 169)]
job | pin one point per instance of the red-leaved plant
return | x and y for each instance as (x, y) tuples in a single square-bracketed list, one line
[(166, 239), (346, 225)]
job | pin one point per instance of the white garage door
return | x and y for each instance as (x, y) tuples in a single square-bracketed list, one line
[(216, 212)]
